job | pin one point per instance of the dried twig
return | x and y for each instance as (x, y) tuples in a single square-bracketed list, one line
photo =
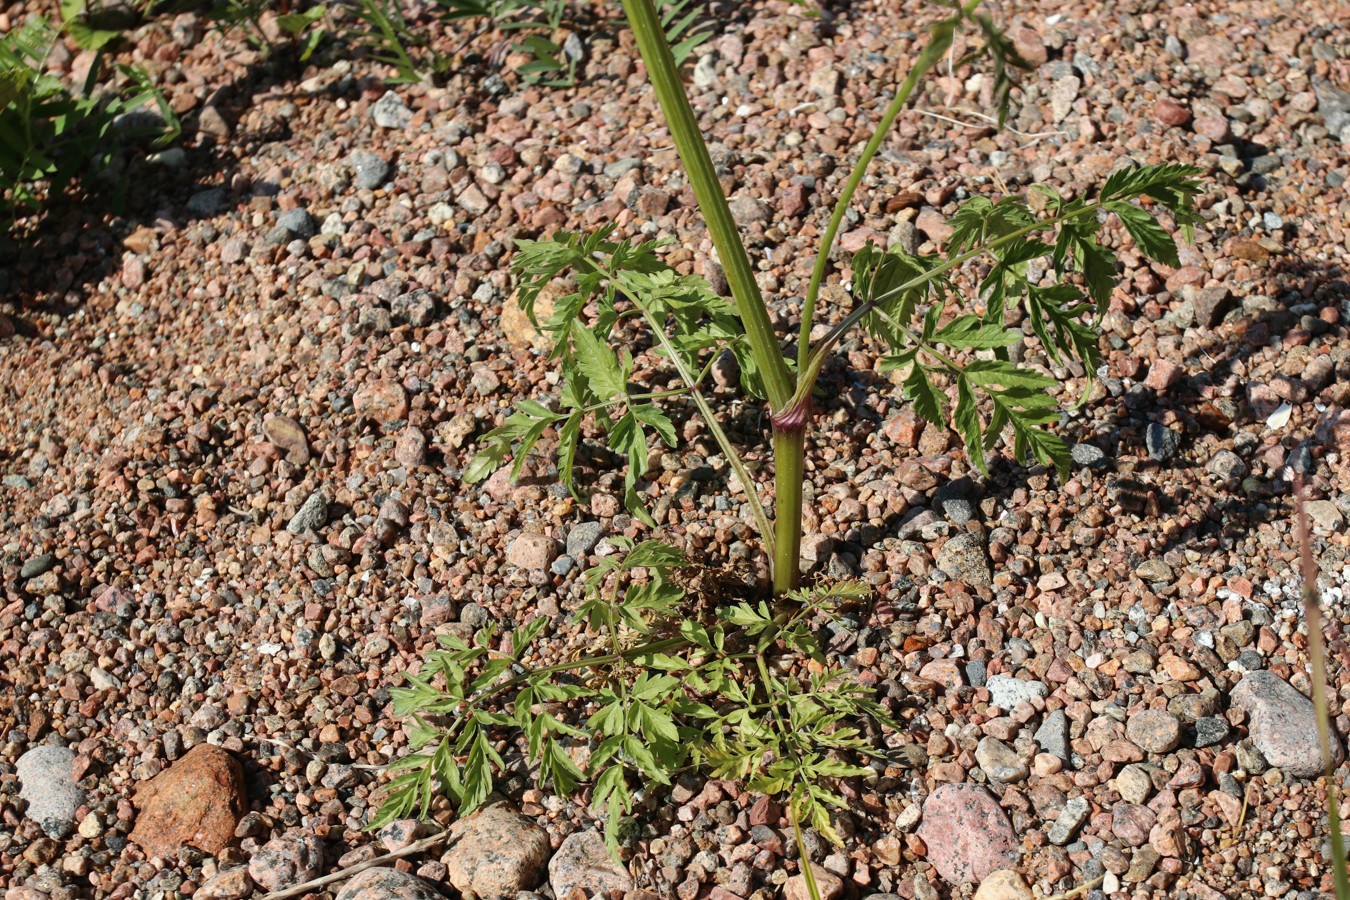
[(344, 874), (1081, 889)]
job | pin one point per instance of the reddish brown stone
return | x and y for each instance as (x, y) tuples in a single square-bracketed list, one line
[(196, 801), (1170, 112)]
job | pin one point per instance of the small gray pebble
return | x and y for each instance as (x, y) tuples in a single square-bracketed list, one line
[(313, 513), (1162, 442), (1088, 456), (297, 222), (582, 538), (391, 112), (368, 170), (38, 565), (1210, 730)]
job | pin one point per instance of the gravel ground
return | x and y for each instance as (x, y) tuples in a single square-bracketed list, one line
[(236, 415)]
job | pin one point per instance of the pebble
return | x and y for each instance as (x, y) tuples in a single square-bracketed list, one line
[(532, 551), (1210, 730), (1006, 691), (1163, 442), (298, 223), (47, 786), (311, 515), (964, 558), (231, 884), (1282, 723), (38, 565), (1088, 456), (496, 853), (1227, 465), (286, 861), (289, 435), (197, 801), (368, 170), (829, 885), (583, 862), (1134, 784), (1325, 517), (411, 449), (967, 833), (1154, 730), (391, 112), (1132, 823), (382, 883), (1066, 825), (1053, 734), (1001, 764), (582, 539), (1155, 571), (1063, 92), (1004, 884)]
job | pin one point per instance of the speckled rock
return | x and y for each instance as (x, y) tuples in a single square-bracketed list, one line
[(231, 884), (1005, 884), (1154, 730), (45, 783), (963, 558), (1006, 692), (287, 861), (968, 834), (1283, 724), (831, 887), (496, 853), (381, 883), (583, 861)]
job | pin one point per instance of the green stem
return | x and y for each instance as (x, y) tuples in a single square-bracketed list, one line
[(665, 78), (789, 452), (931, 55)]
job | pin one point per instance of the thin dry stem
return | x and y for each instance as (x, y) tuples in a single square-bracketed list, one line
[(344, 874)]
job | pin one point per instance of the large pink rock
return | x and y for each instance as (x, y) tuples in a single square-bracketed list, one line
[(968, 834), (1282, 723)]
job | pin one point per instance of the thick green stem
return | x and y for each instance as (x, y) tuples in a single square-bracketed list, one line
[(932, 54), (789, 451), (665, 78)]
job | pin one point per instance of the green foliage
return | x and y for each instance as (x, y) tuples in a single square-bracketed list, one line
[(745, 691), (387, 37), (683, 22), (52, 136), (625, 285), (665, 694), (894, 287)]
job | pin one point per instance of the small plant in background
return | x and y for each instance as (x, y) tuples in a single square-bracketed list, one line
[(742, 689), (539, 22), (304, 29), (51, 136)]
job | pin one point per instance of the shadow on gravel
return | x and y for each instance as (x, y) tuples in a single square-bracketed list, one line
[(1299, 290), (79, 240)]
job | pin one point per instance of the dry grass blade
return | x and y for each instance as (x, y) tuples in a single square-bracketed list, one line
[(1312, 605), (343, 874)]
